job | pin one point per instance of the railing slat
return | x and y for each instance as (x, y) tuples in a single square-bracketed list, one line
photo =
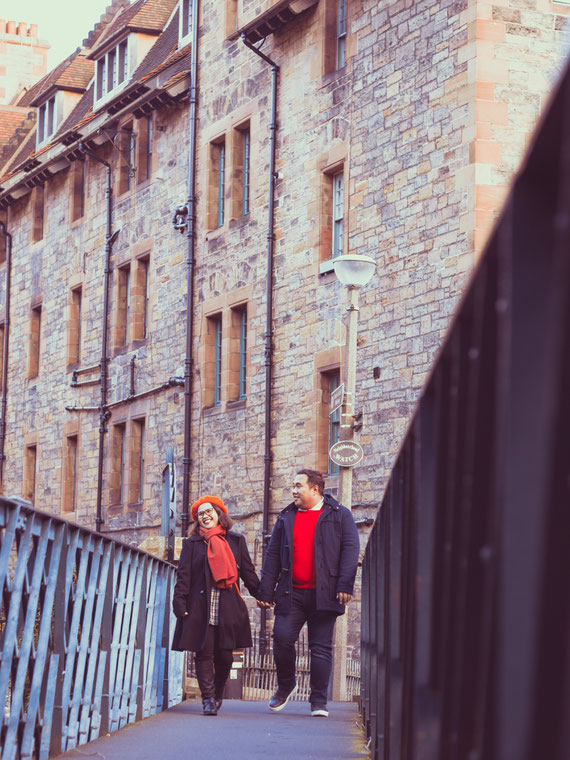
[(76, 665)]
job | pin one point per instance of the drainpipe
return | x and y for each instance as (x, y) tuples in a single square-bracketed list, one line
[(269, 316), (6, 235), (104, 413), (191, 245)]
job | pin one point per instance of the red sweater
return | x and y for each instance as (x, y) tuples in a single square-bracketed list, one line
[(304, 547)]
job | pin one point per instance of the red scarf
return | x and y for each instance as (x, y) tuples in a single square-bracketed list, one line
[(220, 557)]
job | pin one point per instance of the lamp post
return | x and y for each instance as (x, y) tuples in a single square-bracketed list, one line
[(353, 271)]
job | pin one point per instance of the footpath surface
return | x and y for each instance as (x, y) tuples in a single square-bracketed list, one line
[(240, 731)]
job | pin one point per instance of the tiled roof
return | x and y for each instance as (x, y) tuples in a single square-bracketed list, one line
[(163, 53), (75, 69), (143, 15), (28, 148), (11, 117), (74, 73)]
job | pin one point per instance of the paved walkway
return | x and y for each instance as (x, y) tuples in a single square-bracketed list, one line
[(241, 731)]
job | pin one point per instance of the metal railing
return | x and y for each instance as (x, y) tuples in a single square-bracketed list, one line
[(85, 632), (466, 599)]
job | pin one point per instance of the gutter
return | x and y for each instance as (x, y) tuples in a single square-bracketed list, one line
[(190, 263), (269, 315), (4, 232)]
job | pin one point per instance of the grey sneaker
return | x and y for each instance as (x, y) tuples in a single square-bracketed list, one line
[(279, 700)]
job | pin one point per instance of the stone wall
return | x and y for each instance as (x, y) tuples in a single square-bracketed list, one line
[(433, 108)]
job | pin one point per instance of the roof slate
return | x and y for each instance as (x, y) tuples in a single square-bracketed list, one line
[(74, 73), (11, 117), (147, 15)]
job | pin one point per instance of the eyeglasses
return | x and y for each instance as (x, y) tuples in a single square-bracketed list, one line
[(209, 511)]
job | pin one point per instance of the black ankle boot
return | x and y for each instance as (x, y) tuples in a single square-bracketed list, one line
[(219, 703), (210, 707)]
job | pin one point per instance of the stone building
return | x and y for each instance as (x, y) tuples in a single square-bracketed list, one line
[(399, 128), (23, 59)]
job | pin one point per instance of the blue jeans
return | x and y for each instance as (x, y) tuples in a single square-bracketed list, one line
[(286, 631)]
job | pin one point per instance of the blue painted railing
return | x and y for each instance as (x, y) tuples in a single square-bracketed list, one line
[(85, 631)]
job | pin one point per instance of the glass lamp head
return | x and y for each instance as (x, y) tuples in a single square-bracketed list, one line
[(353, 270)]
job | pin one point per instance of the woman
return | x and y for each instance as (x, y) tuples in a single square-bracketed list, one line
[(212, 617)]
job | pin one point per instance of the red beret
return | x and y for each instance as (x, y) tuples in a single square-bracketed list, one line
[(207, 500)]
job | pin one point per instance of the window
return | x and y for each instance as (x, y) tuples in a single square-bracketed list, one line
[(118, 473), (122, 327), (334, 424), (237, 374), (38, 213), (341, 34), (70, 474), (240, 171), (74, 329), (30, 461), (126, 157), (338, 213), (220, 173), (34, 342), (112, 69), (185, 18), (213, 361), (77, 189), (218, 362), (2, 339), (46, 120), (242, 353), (137, 464), (245, 183), (141, 299), (145, 138)]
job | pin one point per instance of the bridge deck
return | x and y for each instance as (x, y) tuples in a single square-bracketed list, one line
[(241, 730)]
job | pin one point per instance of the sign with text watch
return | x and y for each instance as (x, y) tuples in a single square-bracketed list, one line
[(346, 453)]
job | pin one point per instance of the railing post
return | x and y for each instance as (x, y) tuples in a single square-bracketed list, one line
[(59, 616), (106, 639)]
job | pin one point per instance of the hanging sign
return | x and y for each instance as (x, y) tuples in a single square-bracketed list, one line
[(346, 453), (337, 397)]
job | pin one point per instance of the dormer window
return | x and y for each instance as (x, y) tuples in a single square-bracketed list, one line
[(185, 20), (47, 117), (112, 69)]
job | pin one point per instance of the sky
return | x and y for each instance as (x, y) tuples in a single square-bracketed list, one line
[(62, 23)]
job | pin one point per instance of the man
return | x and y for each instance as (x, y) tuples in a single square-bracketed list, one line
[(308, 572)]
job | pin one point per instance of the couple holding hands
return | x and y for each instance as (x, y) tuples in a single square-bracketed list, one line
[(308, 574)]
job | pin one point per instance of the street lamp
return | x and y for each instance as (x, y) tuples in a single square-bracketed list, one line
[(353, 271)]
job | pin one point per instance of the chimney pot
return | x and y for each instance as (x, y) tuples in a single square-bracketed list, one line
[(11, 27), (33, 30), (22, 29), (2, 26)]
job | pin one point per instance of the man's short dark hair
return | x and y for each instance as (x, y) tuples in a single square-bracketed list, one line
[(314, 478)]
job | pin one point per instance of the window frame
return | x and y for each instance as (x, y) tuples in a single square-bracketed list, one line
[(47, 111), (337, 243), (185, 22), (116, 55)]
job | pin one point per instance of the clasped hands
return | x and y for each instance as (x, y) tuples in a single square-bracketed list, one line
[(342, 597)]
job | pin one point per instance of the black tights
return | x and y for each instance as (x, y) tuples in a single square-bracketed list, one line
[(213, 666)]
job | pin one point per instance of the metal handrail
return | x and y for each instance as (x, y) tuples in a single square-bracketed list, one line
[(85, 632), (466, 599)]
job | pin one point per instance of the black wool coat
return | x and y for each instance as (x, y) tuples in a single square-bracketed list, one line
[(192, 593), (337, 548)]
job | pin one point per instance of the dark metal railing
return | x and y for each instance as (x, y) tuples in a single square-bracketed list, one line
[(85, 631), (466, 599)]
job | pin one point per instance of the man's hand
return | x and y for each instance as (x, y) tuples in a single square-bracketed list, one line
[(264, 605), (343, 598)]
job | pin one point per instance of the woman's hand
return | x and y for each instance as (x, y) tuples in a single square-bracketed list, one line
[(264, 605)]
